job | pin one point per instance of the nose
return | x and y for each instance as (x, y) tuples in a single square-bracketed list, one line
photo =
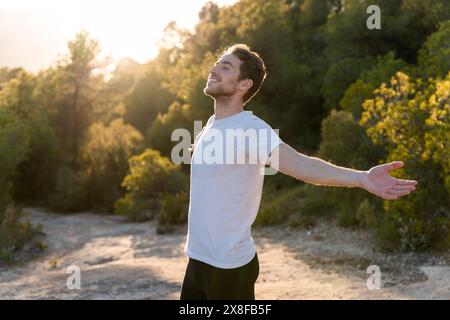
[(212, 70)]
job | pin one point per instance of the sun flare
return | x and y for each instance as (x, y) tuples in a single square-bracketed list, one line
[(130, 28)]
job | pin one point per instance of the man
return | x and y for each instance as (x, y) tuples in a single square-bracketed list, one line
[(225, 196)]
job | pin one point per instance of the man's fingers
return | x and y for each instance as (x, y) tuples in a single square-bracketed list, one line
[(388, 196), (394, 165), (403, 187), (395, 194), (402, 182), (400, 192)]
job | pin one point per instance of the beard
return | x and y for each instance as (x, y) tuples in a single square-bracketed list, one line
[(217, 91)]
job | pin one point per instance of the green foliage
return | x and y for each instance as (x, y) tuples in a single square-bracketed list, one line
[(150, 175), (340, 75), (15, 230), (70, 191), (296, 207), (345, 143), (36, 176), (137, 208), (105, 154), (410, 119), (71, 135), (103, 162), (280, 208), (147, 99), (7, 74), (159, 134), (6, 255), (367, 214), (363, 88), (434, 56), (173, 210), (14, 147)]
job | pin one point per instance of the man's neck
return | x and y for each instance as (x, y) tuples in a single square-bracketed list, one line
[(225, 107)]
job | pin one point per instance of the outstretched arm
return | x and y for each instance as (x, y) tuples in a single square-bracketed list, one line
[(313, 170)]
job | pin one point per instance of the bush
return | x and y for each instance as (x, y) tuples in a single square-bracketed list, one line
[(340, 75), (434, 56), (15, 230), (345, 143), (173, 210), (14, 148), (95, 181), (151, 176), (367, 214), (70, 191), (363, 88), (159, 133), (298, 206), (137, 208), (278, 209), (105, 153), (410, 119), (315, 204)]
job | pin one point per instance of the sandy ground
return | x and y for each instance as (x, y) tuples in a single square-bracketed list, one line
[(123, 260)]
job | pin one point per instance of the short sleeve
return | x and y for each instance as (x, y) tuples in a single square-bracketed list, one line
[(269, 146), (267, 140)]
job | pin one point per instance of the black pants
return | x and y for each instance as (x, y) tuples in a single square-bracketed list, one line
[(203, 281)]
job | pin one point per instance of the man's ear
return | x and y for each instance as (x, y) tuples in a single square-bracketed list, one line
[(246, 84)]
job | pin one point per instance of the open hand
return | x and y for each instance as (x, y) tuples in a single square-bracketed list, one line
[(378, 181)]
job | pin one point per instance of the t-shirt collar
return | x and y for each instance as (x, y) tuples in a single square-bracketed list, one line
[(231, 118)]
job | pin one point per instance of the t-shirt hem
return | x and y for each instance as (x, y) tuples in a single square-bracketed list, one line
[(218, 264)]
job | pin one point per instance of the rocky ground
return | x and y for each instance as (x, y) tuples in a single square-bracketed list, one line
[(125, 260)]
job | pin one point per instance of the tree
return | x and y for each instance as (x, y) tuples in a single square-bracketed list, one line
[(79, 88), (104, 158), (362, 89), (35, 174), (434, 56), (147, 98), (14, 147), (410, 119)]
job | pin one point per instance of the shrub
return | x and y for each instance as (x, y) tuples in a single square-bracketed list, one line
[(151, 178), (410, 119), (105, 153), (434, 56), (15, 230), (298, 206), (345, 143), (173, 210), (277, 210), (70, 191), (137, 208)]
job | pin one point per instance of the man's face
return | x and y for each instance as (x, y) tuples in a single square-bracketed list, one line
[(223, 78)]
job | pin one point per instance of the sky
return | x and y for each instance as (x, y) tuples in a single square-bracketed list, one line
[(33, 33)]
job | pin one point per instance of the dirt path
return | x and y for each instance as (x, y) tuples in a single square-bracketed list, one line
[(123, 260)]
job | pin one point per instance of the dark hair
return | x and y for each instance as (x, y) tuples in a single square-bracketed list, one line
[(252, 67)]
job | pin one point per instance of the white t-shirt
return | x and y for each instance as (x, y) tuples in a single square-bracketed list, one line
[(225, 191)]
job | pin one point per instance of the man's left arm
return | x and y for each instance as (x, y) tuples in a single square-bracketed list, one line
[(313, 170)]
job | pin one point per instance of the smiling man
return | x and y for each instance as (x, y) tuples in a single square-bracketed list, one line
[(225, 193)]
